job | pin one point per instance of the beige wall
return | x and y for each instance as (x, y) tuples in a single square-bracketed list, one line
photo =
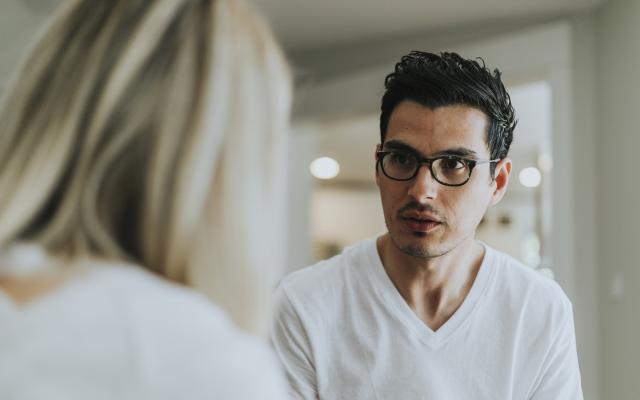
[(617, 187)]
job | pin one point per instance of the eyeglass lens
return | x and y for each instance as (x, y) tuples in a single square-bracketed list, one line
[(449, 170)]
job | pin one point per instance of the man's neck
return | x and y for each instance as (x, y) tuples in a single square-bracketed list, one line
[(433, 287)]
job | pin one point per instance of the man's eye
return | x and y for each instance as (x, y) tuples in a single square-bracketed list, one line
[(400, 158), (453, 163)]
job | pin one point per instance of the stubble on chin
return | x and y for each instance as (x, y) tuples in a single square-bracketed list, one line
[(418, 250), (422, 251)]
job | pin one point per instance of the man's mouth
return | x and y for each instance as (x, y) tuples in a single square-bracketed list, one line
[(419, 224)]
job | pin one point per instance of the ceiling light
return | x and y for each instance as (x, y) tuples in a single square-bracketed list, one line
[(324, 168), (530, 177)]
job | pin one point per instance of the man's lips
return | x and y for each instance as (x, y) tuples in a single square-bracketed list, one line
[(421, 223), (421, 216)]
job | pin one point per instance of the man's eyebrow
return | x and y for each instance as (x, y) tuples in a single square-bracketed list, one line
[(456, 151), (398, 145)]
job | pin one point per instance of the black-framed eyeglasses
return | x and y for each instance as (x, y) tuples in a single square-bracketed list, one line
[(447, 169)]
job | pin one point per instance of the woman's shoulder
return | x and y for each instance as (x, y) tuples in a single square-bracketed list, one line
[(146, 302), (185, 343)]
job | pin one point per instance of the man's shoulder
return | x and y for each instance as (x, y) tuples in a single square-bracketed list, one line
[(518, 274), (521, 285)]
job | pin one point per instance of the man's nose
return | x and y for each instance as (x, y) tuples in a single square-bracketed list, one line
[(424, 186)]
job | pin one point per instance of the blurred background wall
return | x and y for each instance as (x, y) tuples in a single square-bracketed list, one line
[(617, 61), (574, 66)]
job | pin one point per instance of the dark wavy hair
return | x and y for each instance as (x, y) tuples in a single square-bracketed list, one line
[(448, 79)]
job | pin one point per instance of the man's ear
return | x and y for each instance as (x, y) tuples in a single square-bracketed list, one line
[(501, 180)]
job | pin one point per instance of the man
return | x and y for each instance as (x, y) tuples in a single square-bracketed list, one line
[(425, 311)]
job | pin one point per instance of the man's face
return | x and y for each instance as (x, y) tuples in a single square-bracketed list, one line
[(425, 218)]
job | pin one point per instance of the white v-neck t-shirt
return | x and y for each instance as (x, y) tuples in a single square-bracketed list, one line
[(343, 331), (118, 332)]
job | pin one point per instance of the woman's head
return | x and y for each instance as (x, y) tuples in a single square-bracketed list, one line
[(153, 132)]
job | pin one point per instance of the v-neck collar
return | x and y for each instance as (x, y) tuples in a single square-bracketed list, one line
[(399, 308)]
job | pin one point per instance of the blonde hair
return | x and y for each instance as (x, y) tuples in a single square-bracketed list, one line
[(153, 132)]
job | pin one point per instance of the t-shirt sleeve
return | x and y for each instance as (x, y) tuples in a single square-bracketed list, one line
[(291, 343), (560, 376)]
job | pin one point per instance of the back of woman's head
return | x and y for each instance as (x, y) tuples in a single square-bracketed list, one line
[(152, 132)]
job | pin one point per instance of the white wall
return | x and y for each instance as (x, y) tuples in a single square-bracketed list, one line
[(617, 184), (302, 144), (345, 216), (584, 205)]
